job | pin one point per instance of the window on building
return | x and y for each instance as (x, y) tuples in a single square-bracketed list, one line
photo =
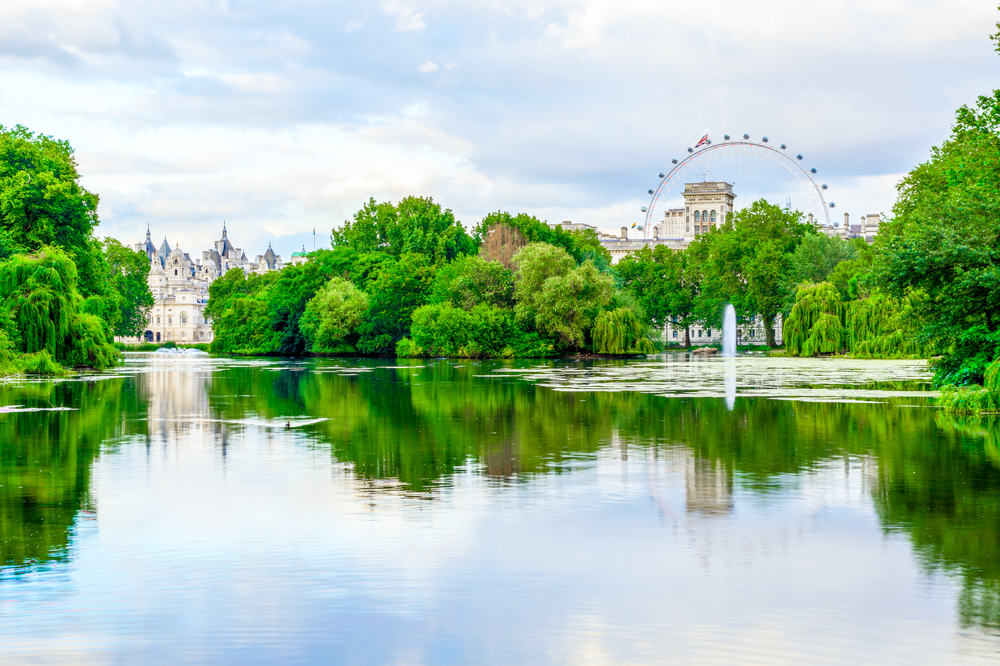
[(697, 217), (699, 332), (157, 320), (201, 335), (184, 335), (175, 271), (713, 217), (184, 318), (675, 334), (704, 216), (170, 319), (708, 333), (157, 337)]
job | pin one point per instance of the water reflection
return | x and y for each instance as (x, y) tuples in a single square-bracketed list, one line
[(717, 470), (46, 458)]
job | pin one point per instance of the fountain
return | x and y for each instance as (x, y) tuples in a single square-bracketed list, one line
[(729, 331)]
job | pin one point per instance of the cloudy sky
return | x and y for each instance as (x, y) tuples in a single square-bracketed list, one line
[(281, 117)]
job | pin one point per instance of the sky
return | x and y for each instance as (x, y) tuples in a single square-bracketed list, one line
[(281, 118)]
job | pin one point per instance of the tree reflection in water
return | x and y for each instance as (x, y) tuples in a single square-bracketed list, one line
[(415, 424)]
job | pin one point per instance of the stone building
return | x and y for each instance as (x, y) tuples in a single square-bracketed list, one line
[(751, 333), (179, 285)]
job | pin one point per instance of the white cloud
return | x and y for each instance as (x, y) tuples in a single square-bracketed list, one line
[(406, 17), (186, 113)]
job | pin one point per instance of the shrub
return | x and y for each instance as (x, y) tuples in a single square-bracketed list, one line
[(407, 348)]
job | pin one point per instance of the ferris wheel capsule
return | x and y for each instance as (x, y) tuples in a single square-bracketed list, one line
[(643, 209), (783, 146), (661, 174), (726, 137), (746, 136), (639, 227), (813, 170), (673, 161), (799, 156), (690, 150), (824, 186), (650, 191), (765, 139), (833, 205)]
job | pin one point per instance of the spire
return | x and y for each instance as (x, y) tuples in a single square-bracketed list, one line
[(224, 229)]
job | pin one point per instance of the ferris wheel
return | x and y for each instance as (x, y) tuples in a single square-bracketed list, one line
[(755, 169)]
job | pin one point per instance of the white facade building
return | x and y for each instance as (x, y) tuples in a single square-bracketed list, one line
[(179, 285)]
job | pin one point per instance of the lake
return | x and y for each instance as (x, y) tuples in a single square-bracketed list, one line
[(663, 510)]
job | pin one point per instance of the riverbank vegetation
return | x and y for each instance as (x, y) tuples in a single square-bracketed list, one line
[(409, 280), (64, 294)]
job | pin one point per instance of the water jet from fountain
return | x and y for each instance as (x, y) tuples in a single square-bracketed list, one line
[(729, 331)]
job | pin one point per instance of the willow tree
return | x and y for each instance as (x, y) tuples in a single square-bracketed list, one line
[(39, 293), (620, 331), (816, 323), (883, 326)]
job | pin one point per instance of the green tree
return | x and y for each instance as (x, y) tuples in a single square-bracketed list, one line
[(399, 288), (416, 225), (40, 296), (744, 260), (568, 304), (942, 238), (43, 204), (535, 264), (814, 260), (128, 273), (471, 280), (666, 283), (816, 323), (331, 318), (882, 326)]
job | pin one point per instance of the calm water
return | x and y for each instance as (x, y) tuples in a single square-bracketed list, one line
[(671, 510)]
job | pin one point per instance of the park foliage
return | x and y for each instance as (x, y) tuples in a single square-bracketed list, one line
[(409, 280), (64, 293)]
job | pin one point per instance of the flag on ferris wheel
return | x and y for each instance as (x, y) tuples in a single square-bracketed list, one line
[(703, 140)]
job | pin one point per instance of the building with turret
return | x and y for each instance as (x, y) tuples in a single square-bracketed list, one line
[(179, 285)]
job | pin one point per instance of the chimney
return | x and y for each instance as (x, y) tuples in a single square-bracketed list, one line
[(810, 218), (624, 233), (847, 221)]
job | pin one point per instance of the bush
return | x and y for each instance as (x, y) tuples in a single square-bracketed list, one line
[(974, 399), (407, 348), (41, 363)]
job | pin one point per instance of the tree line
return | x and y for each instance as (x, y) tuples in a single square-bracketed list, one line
[(409, 280)]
